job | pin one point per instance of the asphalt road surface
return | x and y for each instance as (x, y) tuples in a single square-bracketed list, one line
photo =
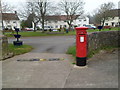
[(52, 44)]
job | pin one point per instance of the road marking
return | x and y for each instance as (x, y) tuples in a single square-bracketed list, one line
[(42, 59)]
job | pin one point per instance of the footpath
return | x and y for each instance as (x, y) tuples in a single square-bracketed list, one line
[(100, 72)]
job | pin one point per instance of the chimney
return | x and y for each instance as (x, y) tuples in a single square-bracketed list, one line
[(15, 12)]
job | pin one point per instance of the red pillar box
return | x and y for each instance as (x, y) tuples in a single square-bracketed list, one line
[(81, 46)]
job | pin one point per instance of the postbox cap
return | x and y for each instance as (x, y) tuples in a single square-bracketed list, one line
[(81, 28)]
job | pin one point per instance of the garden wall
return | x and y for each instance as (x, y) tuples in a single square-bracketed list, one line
[(4, 49), (98, 40)]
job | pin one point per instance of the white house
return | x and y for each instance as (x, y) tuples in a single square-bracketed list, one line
[(10, 20), (0, 21), (57, 21), (114, 19), (81, 21)]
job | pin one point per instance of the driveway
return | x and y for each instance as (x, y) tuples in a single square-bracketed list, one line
[(101, 71)]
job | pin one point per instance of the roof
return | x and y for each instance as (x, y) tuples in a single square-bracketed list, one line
[(60, 17), (10, 16), (115, 12)]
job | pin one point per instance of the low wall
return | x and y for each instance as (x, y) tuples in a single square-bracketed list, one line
[(102, 39), (4, 49)]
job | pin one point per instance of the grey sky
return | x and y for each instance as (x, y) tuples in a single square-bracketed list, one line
[(90, 5)]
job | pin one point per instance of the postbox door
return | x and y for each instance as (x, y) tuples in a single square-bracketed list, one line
[(82, 46)]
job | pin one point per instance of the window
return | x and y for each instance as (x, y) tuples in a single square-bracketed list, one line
[(14, 22), (106, 24), (85, 20), (56, 26), (80, 20), (65, 26), (113, 23)]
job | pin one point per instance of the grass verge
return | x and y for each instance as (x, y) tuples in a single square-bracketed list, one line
[(106, 48), (72, 51), (38, 33), (17, 50)]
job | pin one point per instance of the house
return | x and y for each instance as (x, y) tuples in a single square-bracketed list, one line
[(114, 19), (119, 5), (57, 21), (10, 20), (0, 21)]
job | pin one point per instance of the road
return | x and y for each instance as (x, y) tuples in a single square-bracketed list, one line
[(52, 44), (101, 70)]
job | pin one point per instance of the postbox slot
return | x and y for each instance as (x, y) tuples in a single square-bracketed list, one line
[(81, 34)]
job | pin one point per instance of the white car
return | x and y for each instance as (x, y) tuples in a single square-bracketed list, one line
[(46, 28), (55, 30), (90, 26), (29, 29)]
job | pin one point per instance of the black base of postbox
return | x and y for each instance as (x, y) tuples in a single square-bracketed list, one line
[(17, 43), (81, 61)]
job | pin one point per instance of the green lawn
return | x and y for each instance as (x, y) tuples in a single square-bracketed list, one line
[(38, 33), (72, 50), (17, 50), (92, 30)]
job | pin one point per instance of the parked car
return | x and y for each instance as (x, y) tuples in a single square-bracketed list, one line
[(29, 29), (107, 27), (55, 30), (46, 28), (90, 26)]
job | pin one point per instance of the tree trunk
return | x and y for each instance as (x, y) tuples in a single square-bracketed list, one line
[(34, 27), (43, 24), (69, 27), (103, 22)]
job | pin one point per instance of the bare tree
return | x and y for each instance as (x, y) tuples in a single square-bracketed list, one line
[(28, 12), (41, 8), (104, 12), (26, 9), (31, 13), (72, 10), (37, 10), (7, 7)]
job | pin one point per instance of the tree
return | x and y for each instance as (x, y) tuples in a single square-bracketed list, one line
[(37, 11), (29, 12), (41, 8), (7, 7), (72, 10), (104, 12)]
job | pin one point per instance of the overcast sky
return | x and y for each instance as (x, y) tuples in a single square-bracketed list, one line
[(90, 5)]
